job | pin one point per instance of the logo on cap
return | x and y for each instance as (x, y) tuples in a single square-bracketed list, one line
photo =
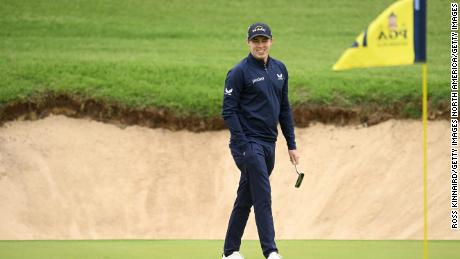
[(258, 28)]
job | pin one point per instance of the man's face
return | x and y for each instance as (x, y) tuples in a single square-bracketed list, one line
[(259, 47)]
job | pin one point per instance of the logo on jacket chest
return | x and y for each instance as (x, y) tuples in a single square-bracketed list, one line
[(257, 80), (280, 76)]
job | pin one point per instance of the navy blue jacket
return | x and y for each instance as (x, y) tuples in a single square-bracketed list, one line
[(255, 100)]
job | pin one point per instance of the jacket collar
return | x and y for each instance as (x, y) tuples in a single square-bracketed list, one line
[(258, 63)]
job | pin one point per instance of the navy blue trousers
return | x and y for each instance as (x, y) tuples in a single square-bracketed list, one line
[(254, 189)]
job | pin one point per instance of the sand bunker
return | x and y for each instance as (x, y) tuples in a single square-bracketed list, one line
[(63, 178)]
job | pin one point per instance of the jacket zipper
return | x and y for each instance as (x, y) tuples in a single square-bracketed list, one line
[(266, 72)]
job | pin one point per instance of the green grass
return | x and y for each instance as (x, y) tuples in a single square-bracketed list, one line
[(176, 54), (179, 249)]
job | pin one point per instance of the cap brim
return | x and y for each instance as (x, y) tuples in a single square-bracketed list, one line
[(260, 34)]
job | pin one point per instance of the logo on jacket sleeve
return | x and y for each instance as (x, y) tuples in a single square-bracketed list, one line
[(228, 91), (280, 76)]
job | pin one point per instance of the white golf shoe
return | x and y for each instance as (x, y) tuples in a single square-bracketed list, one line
[(235, 255), (274, 255)]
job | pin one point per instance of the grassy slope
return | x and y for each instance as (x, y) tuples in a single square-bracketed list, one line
[(176, 53), (300, 249)]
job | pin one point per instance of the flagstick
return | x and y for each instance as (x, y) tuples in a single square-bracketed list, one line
[(425, 170)]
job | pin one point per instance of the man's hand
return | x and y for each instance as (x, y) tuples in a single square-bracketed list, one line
[(294, 156)]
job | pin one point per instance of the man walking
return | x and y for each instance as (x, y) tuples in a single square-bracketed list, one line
[(255, 100)]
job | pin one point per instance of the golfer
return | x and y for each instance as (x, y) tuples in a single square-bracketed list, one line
[(255, 100)]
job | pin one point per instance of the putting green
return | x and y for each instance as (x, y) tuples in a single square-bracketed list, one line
[(201, 249)]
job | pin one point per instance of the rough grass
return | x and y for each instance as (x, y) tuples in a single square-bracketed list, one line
[(176, 54)]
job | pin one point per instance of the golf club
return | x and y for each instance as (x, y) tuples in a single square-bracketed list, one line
[(299, 178)]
